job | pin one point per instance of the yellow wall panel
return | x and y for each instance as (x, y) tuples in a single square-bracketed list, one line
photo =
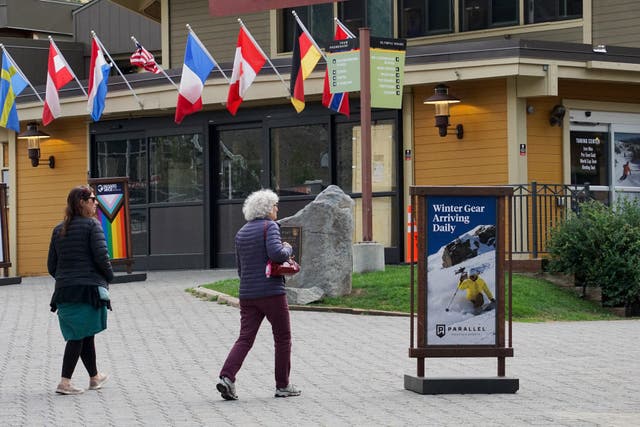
[(480, 158), (544, 143), (42, 192)]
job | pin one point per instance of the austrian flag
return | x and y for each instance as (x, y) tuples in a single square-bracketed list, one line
[(247, 63), (58, 75)]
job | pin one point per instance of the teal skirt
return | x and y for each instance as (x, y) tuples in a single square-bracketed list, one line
[(80, 320)]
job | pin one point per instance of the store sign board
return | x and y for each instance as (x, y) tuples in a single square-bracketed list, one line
[(344, 71)]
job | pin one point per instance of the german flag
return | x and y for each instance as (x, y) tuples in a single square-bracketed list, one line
[(303, 61)]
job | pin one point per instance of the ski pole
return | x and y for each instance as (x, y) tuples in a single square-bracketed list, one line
[(454, 295)]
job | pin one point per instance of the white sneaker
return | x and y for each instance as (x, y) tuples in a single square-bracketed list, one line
[(288, 391), (227, 389)]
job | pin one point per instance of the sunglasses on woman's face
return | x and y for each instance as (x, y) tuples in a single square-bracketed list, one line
[(92, 198)]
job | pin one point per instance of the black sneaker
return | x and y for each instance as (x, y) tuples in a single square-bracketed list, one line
[(227, 389), (288, 391)]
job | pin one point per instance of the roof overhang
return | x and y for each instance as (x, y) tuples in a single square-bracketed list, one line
[(149, 8), (538, 66)]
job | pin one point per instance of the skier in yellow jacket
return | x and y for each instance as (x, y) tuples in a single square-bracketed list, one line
[(475, 286)]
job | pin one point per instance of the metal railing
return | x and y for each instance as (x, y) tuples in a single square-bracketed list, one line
[(537, 209)]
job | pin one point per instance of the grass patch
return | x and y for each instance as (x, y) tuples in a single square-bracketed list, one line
[(534, 300)]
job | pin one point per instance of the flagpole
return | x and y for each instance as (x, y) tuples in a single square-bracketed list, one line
[(20, 71), (158, 65), (310, 37), (55, 46), (255, 43), (344, 28), (95, 37), (208, 53)]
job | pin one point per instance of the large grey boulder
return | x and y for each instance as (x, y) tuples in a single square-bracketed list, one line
[(326, 247)]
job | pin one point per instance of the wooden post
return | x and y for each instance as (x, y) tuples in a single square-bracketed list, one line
[(365, 128)]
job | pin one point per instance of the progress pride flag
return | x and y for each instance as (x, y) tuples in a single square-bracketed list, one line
[(239, 7)]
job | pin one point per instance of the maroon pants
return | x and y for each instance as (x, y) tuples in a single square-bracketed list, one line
[(252, 312)]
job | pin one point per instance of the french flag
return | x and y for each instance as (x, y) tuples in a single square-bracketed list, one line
[(98, 78), (198, 63)]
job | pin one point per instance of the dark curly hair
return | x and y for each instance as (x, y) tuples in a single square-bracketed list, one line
[(74, 208)]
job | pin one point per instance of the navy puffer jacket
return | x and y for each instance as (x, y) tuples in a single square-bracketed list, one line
[(252, 254), (80, 257)]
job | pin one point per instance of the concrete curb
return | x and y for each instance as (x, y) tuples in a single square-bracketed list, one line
[(234, 302)]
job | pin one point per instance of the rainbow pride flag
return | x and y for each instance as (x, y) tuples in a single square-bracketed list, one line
[(114, 232)]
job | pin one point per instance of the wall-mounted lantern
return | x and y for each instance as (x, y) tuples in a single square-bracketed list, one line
[(557, 115), (33, 136), (441, 100)]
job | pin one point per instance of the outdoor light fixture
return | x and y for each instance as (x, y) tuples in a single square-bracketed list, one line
[(33, 137), (441, 100), (557, 115)]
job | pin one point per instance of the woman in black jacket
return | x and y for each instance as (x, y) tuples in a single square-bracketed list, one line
[(79, 261)]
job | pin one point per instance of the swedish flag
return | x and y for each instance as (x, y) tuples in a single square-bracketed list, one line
[(11, 85)]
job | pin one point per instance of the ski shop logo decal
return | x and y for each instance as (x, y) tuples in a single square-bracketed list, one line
[(441, 330)]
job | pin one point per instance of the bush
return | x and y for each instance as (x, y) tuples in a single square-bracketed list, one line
[(601, 246)]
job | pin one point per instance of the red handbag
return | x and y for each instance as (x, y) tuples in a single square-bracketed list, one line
[(287, 268)]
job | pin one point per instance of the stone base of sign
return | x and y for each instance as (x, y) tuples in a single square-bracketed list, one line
[(10, 280), (127, 278), (368, 256), (489, 385)]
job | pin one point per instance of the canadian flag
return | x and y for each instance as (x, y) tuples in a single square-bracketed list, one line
[(247, 63), (58, 75)]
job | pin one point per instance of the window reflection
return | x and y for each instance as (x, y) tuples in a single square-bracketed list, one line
[(383, 156), (176, 168), (300, 159), (239, 162), (139, 231), (128, 158)]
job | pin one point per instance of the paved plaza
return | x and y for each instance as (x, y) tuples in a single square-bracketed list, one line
[(163, 349)]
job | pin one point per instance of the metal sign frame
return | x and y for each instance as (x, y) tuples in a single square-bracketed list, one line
[(503, 347)]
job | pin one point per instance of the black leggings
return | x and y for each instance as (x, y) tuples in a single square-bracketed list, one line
[(84, 349)]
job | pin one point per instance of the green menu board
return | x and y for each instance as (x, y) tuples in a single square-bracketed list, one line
[(387, 77), (344, 71)]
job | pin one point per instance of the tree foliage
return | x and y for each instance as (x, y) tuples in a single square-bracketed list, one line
[(601, 245)]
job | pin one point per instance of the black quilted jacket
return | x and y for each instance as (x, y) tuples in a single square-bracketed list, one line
[(81, 256)]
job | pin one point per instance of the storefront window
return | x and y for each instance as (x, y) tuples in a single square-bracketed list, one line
[(300, 159), (124, 157), (317, 18), (482, 14), (239, 162), (176, 168), (378, 13), (383, 157), (425, 17), (552, 10)]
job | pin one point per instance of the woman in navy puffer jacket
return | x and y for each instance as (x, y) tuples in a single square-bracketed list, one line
[(260, 296)]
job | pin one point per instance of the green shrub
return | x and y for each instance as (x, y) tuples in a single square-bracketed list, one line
[(601, 246)]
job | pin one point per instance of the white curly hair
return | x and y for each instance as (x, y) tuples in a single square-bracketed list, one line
[(259, 204)]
